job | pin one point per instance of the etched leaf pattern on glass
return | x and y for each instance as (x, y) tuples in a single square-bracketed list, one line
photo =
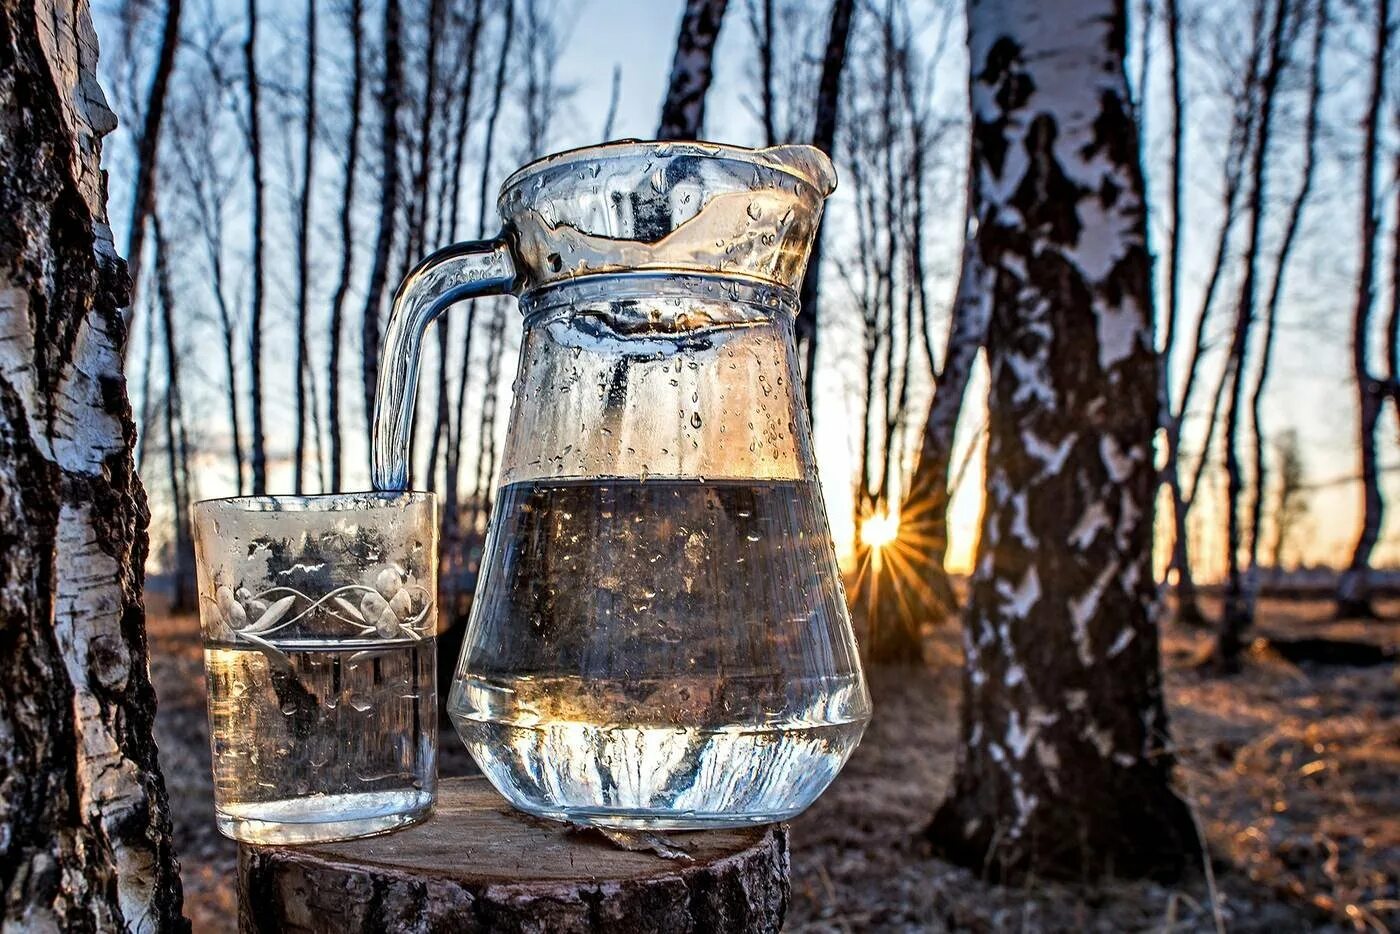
[(388, 603)]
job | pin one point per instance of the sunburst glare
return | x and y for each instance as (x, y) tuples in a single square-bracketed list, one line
[(879, 529)]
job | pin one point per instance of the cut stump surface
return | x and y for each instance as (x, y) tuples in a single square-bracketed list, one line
[(479, 865)]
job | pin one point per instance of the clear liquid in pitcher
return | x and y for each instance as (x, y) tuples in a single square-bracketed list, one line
[(660, 653)]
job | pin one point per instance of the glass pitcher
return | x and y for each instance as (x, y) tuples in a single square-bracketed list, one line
[(659, 637)]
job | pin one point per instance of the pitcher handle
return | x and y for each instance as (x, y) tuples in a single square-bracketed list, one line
[(461, 271)]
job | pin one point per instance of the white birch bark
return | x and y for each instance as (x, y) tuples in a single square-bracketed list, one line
[(1063, 769), (84, 824)]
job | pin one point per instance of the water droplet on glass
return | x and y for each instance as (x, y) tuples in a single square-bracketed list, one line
[(695, 420), (755, 210)]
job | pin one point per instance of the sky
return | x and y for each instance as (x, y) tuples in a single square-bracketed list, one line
[(1311, 390)]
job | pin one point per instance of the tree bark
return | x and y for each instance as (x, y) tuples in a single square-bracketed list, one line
[(1064, 768), (683, 112), (479, 866), (84, 820), (1354, 587), (258, 442), (148, 147), (390, 94), (824, 138)]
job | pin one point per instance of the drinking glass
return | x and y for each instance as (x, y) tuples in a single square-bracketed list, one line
[(319, 622)]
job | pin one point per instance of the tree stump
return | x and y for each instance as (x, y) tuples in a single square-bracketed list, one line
[(479, 865)]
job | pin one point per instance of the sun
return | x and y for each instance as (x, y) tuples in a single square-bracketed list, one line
[(879, 529)]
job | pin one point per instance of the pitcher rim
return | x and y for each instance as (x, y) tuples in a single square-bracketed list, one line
[(821, 176)]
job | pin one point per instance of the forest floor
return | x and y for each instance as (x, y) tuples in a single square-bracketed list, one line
[(1293, 771)]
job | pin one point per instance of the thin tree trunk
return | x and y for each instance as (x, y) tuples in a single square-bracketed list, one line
[(1064, 768), (1392, 326), (453, 416), (487, 154), (209, 214), (1227, 374), (389, 100), (534, 95), (347, 245), (422, 170), (683, 112), (177, 451), (452, 459), (613, 99), (893, 245), (1188, 604), (1188, 608), (255, 319), (925, 590), (1240, 585), (85, 822), (308, 156), (824, 138), (916, 233), (761, 25), (148, 409), (1354, 588), (450, 638), (1292, 223), (230, 337), (419, 227), (148, 147)]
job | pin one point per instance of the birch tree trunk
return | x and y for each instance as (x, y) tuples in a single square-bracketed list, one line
[(1354, 588), (84, 822), (683, 112), (1063, 769)]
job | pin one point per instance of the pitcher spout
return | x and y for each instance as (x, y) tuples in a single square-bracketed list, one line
[(684, 207)]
